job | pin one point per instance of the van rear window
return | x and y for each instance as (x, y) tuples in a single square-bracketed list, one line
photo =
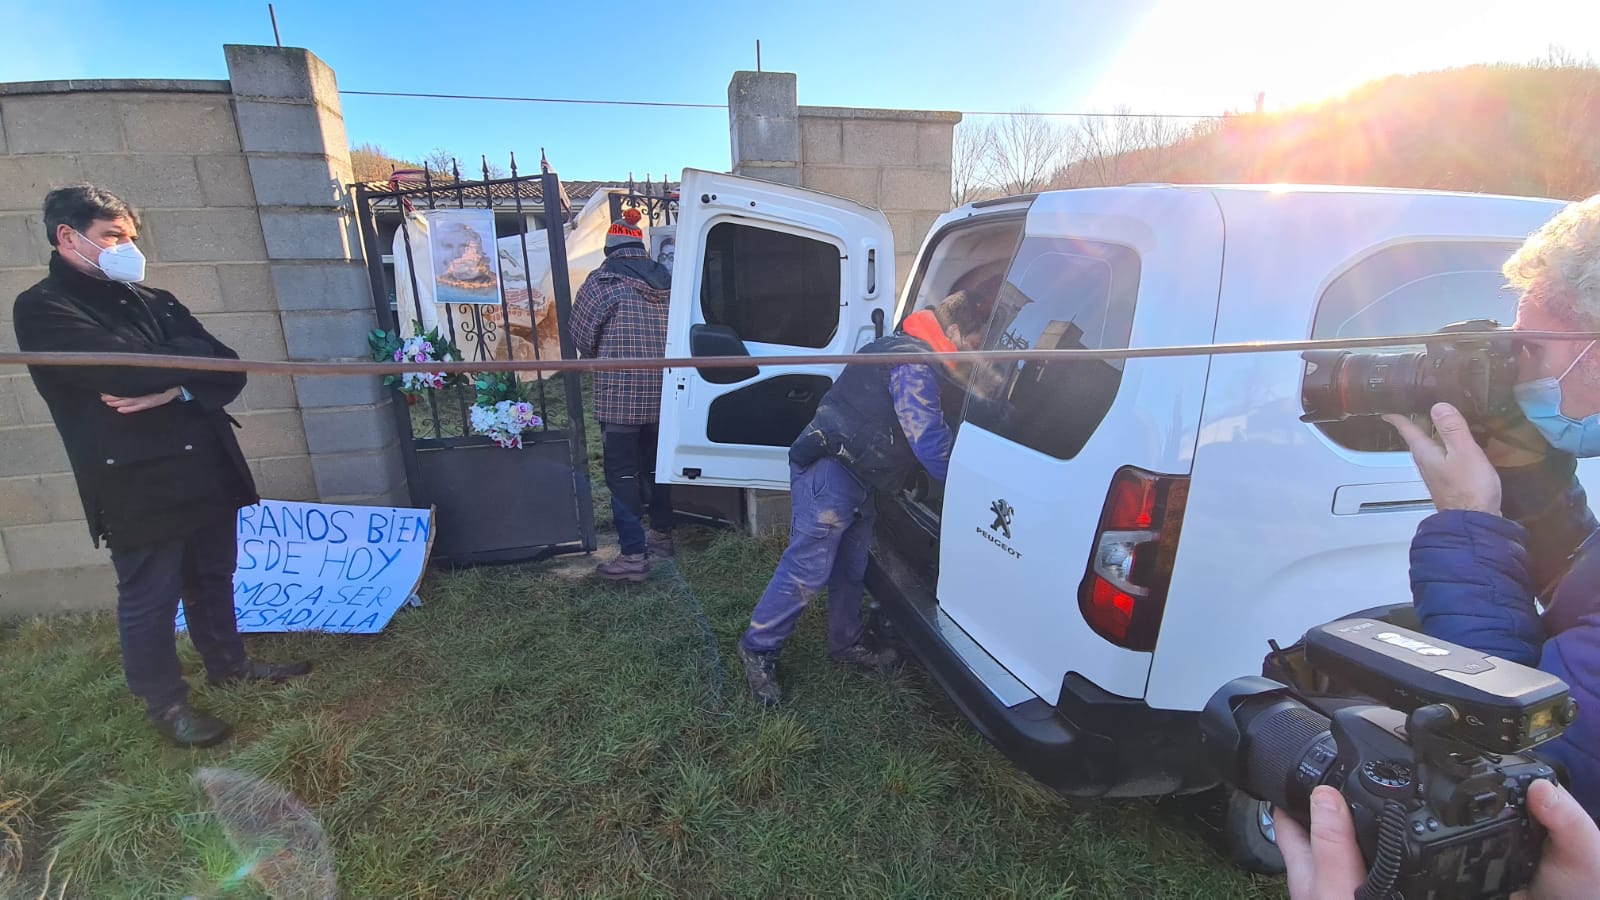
[(769, 286), (1059, 294)]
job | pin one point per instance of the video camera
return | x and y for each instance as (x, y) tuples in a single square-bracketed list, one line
[(1434, 768), (1473, 373)]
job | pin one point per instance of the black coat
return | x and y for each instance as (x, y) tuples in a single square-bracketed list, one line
[(142, 476)]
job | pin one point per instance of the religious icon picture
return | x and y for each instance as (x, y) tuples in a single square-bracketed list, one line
[(465, 262)]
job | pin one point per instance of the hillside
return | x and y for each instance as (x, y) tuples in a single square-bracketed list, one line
[(1528, 130)]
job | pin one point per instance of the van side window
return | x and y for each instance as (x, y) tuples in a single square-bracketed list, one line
[(769, 286), (1410, 288), (1060, 294)]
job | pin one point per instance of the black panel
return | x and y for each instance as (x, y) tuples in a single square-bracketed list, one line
[(491, 501), (708, 505), (768, 413)]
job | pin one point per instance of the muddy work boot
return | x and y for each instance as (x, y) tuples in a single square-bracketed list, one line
[(761, 675), (635, 568), (186, 726), (860, 656), (658, 543)]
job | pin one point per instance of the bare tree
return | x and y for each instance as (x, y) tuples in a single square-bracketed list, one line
[(444, 163), (971, 162), (441, 162), (1569, 167), (1026, 151), (1122, 147)]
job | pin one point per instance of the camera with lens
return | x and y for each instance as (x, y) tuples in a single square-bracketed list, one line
[(1474, 372), (1428, 742)]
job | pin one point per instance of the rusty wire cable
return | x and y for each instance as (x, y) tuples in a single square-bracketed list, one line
[(276, 367), (669, 104)]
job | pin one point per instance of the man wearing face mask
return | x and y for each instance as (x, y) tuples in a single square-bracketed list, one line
[(159, 471), (1513, 526)]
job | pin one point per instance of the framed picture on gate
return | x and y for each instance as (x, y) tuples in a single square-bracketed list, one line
[(466, 266)]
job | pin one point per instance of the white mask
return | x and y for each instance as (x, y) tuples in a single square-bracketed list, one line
[(119, 262)]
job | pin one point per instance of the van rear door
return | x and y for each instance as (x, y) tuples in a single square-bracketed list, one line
[(763, 270)]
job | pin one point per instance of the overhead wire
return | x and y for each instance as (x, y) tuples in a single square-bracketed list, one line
[(585, 101)]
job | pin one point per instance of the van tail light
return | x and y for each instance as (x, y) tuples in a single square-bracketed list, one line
[(1124, 593)]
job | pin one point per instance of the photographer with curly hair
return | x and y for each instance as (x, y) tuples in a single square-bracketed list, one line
[(1513, 529)]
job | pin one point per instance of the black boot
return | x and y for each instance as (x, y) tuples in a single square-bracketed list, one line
[(276, 673), (761, 675), (860, 656), (189, 727)]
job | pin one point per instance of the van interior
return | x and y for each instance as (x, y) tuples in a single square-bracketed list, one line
[(971, 257)]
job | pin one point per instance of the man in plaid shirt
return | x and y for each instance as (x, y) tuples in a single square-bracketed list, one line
[(621, 313)]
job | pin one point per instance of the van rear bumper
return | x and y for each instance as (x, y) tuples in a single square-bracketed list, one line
[(1091, 744)]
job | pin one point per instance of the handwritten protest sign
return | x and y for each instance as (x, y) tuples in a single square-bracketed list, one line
[(323, 567)]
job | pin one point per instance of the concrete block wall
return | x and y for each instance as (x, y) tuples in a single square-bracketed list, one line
[(896, 160), (246, 220), (171, 149)]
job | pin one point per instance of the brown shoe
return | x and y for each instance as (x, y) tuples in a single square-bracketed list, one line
[(633, 568), (658, 543)]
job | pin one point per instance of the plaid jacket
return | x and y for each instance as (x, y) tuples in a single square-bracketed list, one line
[(621, 313)]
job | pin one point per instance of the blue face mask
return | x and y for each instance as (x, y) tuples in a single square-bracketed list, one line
[(1540, 400)]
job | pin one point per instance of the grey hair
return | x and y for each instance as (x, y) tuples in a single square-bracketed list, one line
[(1558, 268)]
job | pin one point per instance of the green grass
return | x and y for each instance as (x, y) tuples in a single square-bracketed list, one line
[(528, 734)]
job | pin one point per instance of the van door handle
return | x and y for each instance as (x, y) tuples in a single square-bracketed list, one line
[(1360, 499), (799, 396)]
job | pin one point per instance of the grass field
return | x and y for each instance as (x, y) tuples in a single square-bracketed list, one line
[(529, 733)]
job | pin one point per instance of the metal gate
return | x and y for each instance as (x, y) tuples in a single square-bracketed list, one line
[(494, 504)]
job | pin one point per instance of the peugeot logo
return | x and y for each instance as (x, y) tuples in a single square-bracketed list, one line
[(1002, 517)]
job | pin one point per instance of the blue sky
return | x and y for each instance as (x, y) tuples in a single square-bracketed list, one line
[(1150, 55)]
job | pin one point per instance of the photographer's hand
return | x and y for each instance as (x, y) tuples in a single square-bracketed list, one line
[(1327, 863), (1570, 866), (1456, 470)]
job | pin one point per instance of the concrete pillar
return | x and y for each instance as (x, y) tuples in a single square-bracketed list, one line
[(764, 126), (291, 129)]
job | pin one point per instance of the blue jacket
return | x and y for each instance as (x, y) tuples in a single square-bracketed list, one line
[(880, 421), (1474, 577)]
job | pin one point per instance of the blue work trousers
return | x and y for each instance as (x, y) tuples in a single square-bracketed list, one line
[(830, 536)]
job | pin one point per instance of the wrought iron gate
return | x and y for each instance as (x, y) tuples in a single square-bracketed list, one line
[(493, 504)]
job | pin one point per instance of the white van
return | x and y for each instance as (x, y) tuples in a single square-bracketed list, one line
[(1116, 539)]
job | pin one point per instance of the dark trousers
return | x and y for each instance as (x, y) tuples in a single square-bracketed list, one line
[(630, 464), (830, 538), (197, 567)]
